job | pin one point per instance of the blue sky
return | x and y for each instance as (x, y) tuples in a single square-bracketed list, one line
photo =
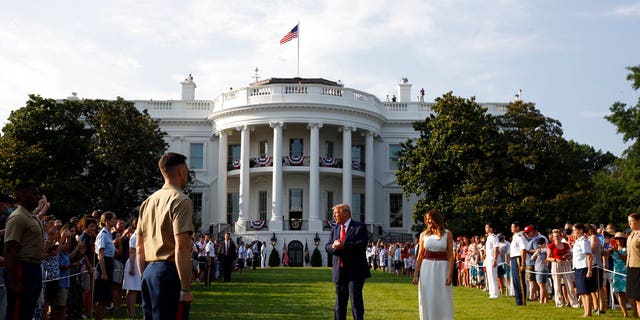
[(568, 57)]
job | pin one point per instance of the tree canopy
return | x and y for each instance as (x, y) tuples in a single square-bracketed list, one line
[(478, 168), (618, 189), (85, 154)]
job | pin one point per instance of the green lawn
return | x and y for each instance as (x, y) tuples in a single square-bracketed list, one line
[(308, 293)]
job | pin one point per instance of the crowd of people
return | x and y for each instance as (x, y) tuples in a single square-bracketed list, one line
[(82, 267), (578, 266), (86, 265), (69, 270)]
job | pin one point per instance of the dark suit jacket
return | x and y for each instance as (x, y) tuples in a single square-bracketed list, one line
[(230, 256), (353, 255)]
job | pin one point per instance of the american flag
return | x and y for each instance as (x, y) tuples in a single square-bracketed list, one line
[(291, 35)]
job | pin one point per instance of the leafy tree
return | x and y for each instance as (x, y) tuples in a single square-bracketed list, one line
[(455, 145), (46, 143), (619, 189), (126, 146), (86, 154), (480, 168)]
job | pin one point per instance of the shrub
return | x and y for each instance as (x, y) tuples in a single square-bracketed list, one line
[(274, 258), (316, 258)]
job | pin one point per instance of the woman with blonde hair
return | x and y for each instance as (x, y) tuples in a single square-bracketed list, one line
[(434, 269), (560, 258)]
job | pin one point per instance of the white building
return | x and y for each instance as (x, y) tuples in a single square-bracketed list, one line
[(271, 159)]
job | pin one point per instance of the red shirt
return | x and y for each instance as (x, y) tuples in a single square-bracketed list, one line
[(556, 252)]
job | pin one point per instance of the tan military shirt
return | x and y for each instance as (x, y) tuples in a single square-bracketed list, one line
[(24, 228), (163, 215), (633, 249)]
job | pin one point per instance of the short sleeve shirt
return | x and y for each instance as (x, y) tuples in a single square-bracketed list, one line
[(517, 245), (105, 241), (209, 248), (633, 250), (558, 253), (166, 213), (490, 247), (581, 248), (24, 228)]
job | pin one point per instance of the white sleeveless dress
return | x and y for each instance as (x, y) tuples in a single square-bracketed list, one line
[(435, 298), (132, 282)]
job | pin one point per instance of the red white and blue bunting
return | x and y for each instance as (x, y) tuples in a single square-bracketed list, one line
[(263, 162), (236, 164), (295, 160), (258, 224), (328, 161), (331, 223), (355, 164)]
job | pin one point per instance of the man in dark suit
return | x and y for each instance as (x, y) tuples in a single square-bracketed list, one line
[(227, 254), (348, 245)]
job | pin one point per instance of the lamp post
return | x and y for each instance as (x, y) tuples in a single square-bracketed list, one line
[(274, 240), (316, 240)]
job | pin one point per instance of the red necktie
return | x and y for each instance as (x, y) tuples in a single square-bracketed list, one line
[(342, 236)]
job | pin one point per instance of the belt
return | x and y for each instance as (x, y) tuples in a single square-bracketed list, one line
[(161, 261), (31, 260), (431, 255)]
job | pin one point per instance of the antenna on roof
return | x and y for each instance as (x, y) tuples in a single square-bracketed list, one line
[(518, 96), (256, 76)]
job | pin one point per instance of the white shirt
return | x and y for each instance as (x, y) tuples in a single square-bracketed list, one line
[(581, 248), (201, 248), (210, 249), (518, 243), (490, 247)]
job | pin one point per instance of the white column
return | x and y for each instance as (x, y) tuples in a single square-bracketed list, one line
[(315, 224), (223, 150), (276, 188), (368, 179), (243, 215), (346, 165)]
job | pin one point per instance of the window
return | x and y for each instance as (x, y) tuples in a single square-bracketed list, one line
[(357, 206), (233, 207), (357, 152), (196, 198), (329, 205), (196, 156), (262, 205), (295, 200), (234, 152), (263, 149), (394, 154), (328, 148), (395, 210), (295, 148)]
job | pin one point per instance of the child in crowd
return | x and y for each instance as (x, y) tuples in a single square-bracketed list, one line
[(541, 268)]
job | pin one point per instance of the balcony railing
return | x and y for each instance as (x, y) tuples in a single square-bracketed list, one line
[(296, 161)]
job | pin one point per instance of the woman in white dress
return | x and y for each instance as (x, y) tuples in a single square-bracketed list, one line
[(132, 281), (434, 269)]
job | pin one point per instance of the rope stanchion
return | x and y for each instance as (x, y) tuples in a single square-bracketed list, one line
[(69, 276), (571, 272)]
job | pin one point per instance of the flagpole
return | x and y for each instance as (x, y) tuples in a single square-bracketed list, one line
[(298, 72)]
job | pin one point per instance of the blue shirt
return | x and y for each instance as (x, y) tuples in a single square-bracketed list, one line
[(64, 281), (105, 241)]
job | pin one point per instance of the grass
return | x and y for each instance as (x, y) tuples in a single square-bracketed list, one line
[(308, 293)]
